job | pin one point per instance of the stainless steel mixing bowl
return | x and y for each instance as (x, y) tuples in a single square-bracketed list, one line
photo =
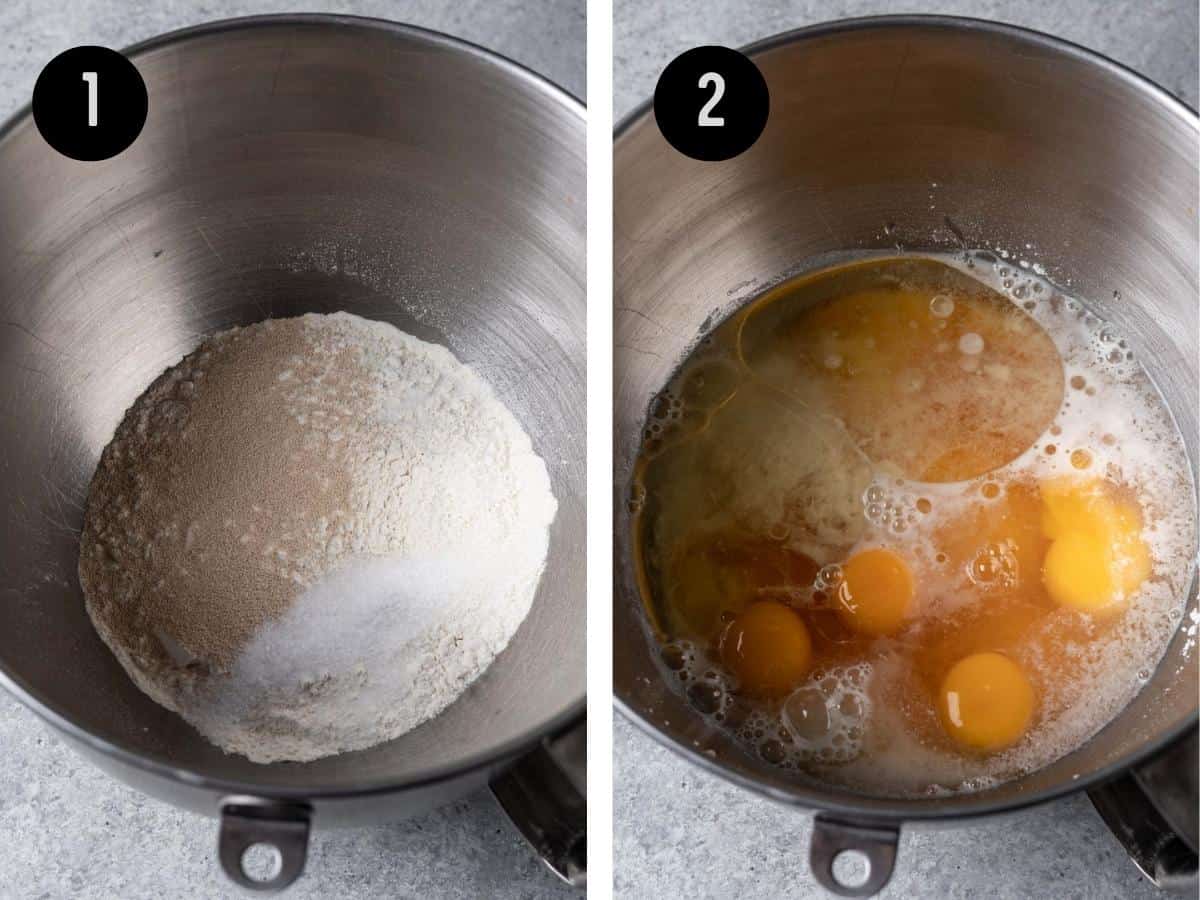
[(291, 164), (913, 133)]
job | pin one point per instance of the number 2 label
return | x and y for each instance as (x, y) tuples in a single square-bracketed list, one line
[(706, 120), (725, 116), (92, 80)]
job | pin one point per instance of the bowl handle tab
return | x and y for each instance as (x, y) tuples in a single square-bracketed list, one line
[(250, 821), (544, 793), (831, 837)]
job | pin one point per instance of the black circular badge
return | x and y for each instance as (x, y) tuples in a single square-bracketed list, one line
[(90, 103), (711, 103)]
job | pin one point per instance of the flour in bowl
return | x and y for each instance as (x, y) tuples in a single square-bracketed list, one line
[(313, 534)]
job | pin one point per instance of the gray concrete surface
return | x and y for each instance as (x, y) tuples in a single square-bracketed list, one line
[(66, 830), (679, 832)]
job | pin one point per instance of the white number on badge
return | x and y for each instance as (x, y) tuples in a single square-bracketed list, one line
[(90, 78), (718, 86)]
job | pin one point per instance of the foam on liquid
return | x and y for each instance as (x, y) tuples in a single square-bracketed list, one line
[(857, 718)]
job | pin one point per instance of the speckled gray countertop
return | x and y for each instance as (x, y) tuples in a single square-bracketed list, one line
[(680, 832), (69, 831)]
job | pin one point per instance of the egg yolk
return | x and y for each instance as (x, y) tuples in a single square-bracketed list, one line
[(767, 647), (876, 592), (1097, 557), (985, 702)]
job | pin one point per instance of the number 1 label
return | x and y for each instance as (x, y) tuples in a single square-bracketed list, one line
[(75, 126), (92, 80)]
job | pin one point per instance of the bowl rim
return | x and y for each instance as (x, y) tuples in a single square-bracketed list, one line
[(1029, 36), (518, 70), (568, 717), (836, 801)]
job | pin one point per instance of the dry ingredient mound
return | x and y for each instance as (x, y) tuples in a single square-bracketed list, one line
[(312, 534)]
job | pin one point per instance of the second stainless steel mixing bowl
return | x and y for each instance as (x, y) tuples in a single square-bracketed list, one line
[(913, 133)]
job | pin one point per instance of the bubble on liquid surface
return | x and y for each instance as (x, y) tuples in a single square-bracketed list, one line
[(970, 344), (995, 565), (673, 657), (806, 715), (828, 578), (942, 305), (706, 696), (826, 716)]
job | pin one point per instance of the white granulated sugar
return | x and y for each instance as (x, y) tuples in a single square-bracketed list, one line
[(319, 543), (370, 652)]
